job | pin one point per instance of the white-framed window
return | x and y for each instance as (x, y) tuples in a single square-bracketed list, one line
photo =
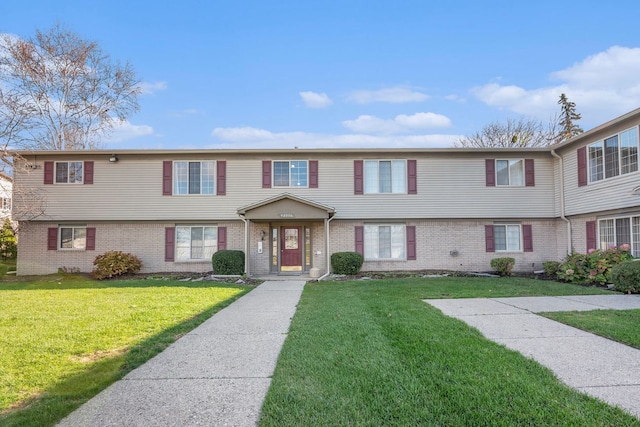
[(385, 241), (69, 173), (196, 242), (615, 232), (613, 156), (507, 237), (290, 173), (194, 177), (6, 204), (385, 176), (72, 237), (510, 172)]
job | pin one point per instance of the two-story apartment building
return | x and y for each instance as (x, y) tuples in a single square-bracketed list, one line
[(290, 209)]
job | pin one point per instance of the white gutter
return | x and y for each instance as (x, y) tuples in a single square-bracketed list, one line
[(246, 244), (326, 247), (562, 215)]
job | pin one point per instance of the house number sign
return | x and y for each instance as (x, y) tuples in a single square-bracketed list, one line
[(287, 215)]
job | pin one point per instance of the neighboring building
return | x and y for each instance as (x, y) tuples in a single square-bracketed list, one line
[(6, 191), (289, 210)]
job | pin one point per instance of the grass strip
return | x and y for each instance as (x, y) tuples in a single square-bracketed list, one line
[(617, 325), (372, 353)]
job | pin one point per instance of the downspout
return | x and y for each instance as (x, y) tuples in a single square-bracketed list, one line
[(326, 247), (246, 244), (562, 215)]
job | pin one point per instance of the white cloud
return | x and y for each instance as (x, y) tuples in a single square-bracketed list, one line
[(392, 95), (315, 100), (149, 88), (602, 86), (400, 124), (248, 137), (126, 131)]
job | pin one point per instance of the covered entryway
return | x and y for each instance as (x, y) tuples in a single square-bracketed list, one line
[(286, 235)]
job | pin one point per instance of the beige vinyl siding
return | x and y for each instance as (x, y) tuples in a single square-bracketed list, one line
[(450, 185)]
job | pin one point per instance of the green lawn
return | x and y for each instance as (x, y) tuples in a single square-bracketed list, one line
[(63, 338), (371, 353), (618, 325)]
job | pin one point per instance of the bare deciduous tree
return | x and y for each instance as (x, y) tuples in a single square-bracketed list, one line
[(60, 92), (57, 92), (516, 133)]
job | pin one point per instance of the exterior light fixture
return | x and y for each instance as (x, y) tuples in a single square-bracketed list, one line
[(263, 234), (113, 158)]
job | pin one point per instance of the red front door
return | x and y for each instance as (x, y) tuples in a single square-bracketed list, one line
[(291, 249)]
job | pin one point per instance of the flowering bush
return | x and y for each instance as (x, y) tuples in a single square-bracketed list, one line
[(593, 267)]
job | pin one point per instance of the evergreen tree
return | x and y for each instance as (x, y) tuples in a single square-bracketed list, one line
[(568, 117), (8, 242)]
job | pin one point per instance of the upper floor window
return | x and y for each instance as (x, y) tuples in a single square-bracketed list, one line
[(194, 177), (613, 156), (385, 176), (510, 172), (69, 173), (293, 173)]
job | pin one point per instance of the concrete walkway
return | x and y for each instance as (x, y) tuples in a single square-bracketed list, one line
[(216, 375), (591, 364)]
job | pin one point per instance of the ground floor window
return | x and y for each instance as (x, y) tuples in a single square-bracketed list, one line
[(616, 232), (73, 237), (196, 242), (507, 237), (385, 241)]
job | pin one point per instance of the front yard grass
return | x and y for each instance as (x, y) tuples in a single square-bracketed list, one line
[(63, 338), (373, 353), (617, 325)]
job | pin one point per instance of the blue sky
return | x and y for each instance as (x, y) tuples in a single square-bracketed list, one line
[(367, 74)]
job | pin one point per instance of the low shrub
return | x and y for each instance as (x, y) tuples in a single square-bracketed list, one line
[(626, 277), (593, 267), (115, 263), (551, 268), (503, 266), (228, 262), (346, 262)]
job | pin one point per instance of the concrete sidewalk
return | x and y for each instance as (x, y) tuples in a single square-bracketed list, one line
[(591, 364), (216, 375)]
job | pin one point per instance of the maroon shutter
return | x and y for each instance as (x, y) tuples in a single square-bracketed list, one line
[(91, 239), (411, 242), (167, 178), (222, 238), (88, 172), (221, 171), (169, 244), (412, 177), (582, 166), (490, 172), (490, 245), (266, 174), (358, 177), (360, 239), (529, 173), (527, 238), (592, 241), (313, 174), (52, 239), (48, 173)]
